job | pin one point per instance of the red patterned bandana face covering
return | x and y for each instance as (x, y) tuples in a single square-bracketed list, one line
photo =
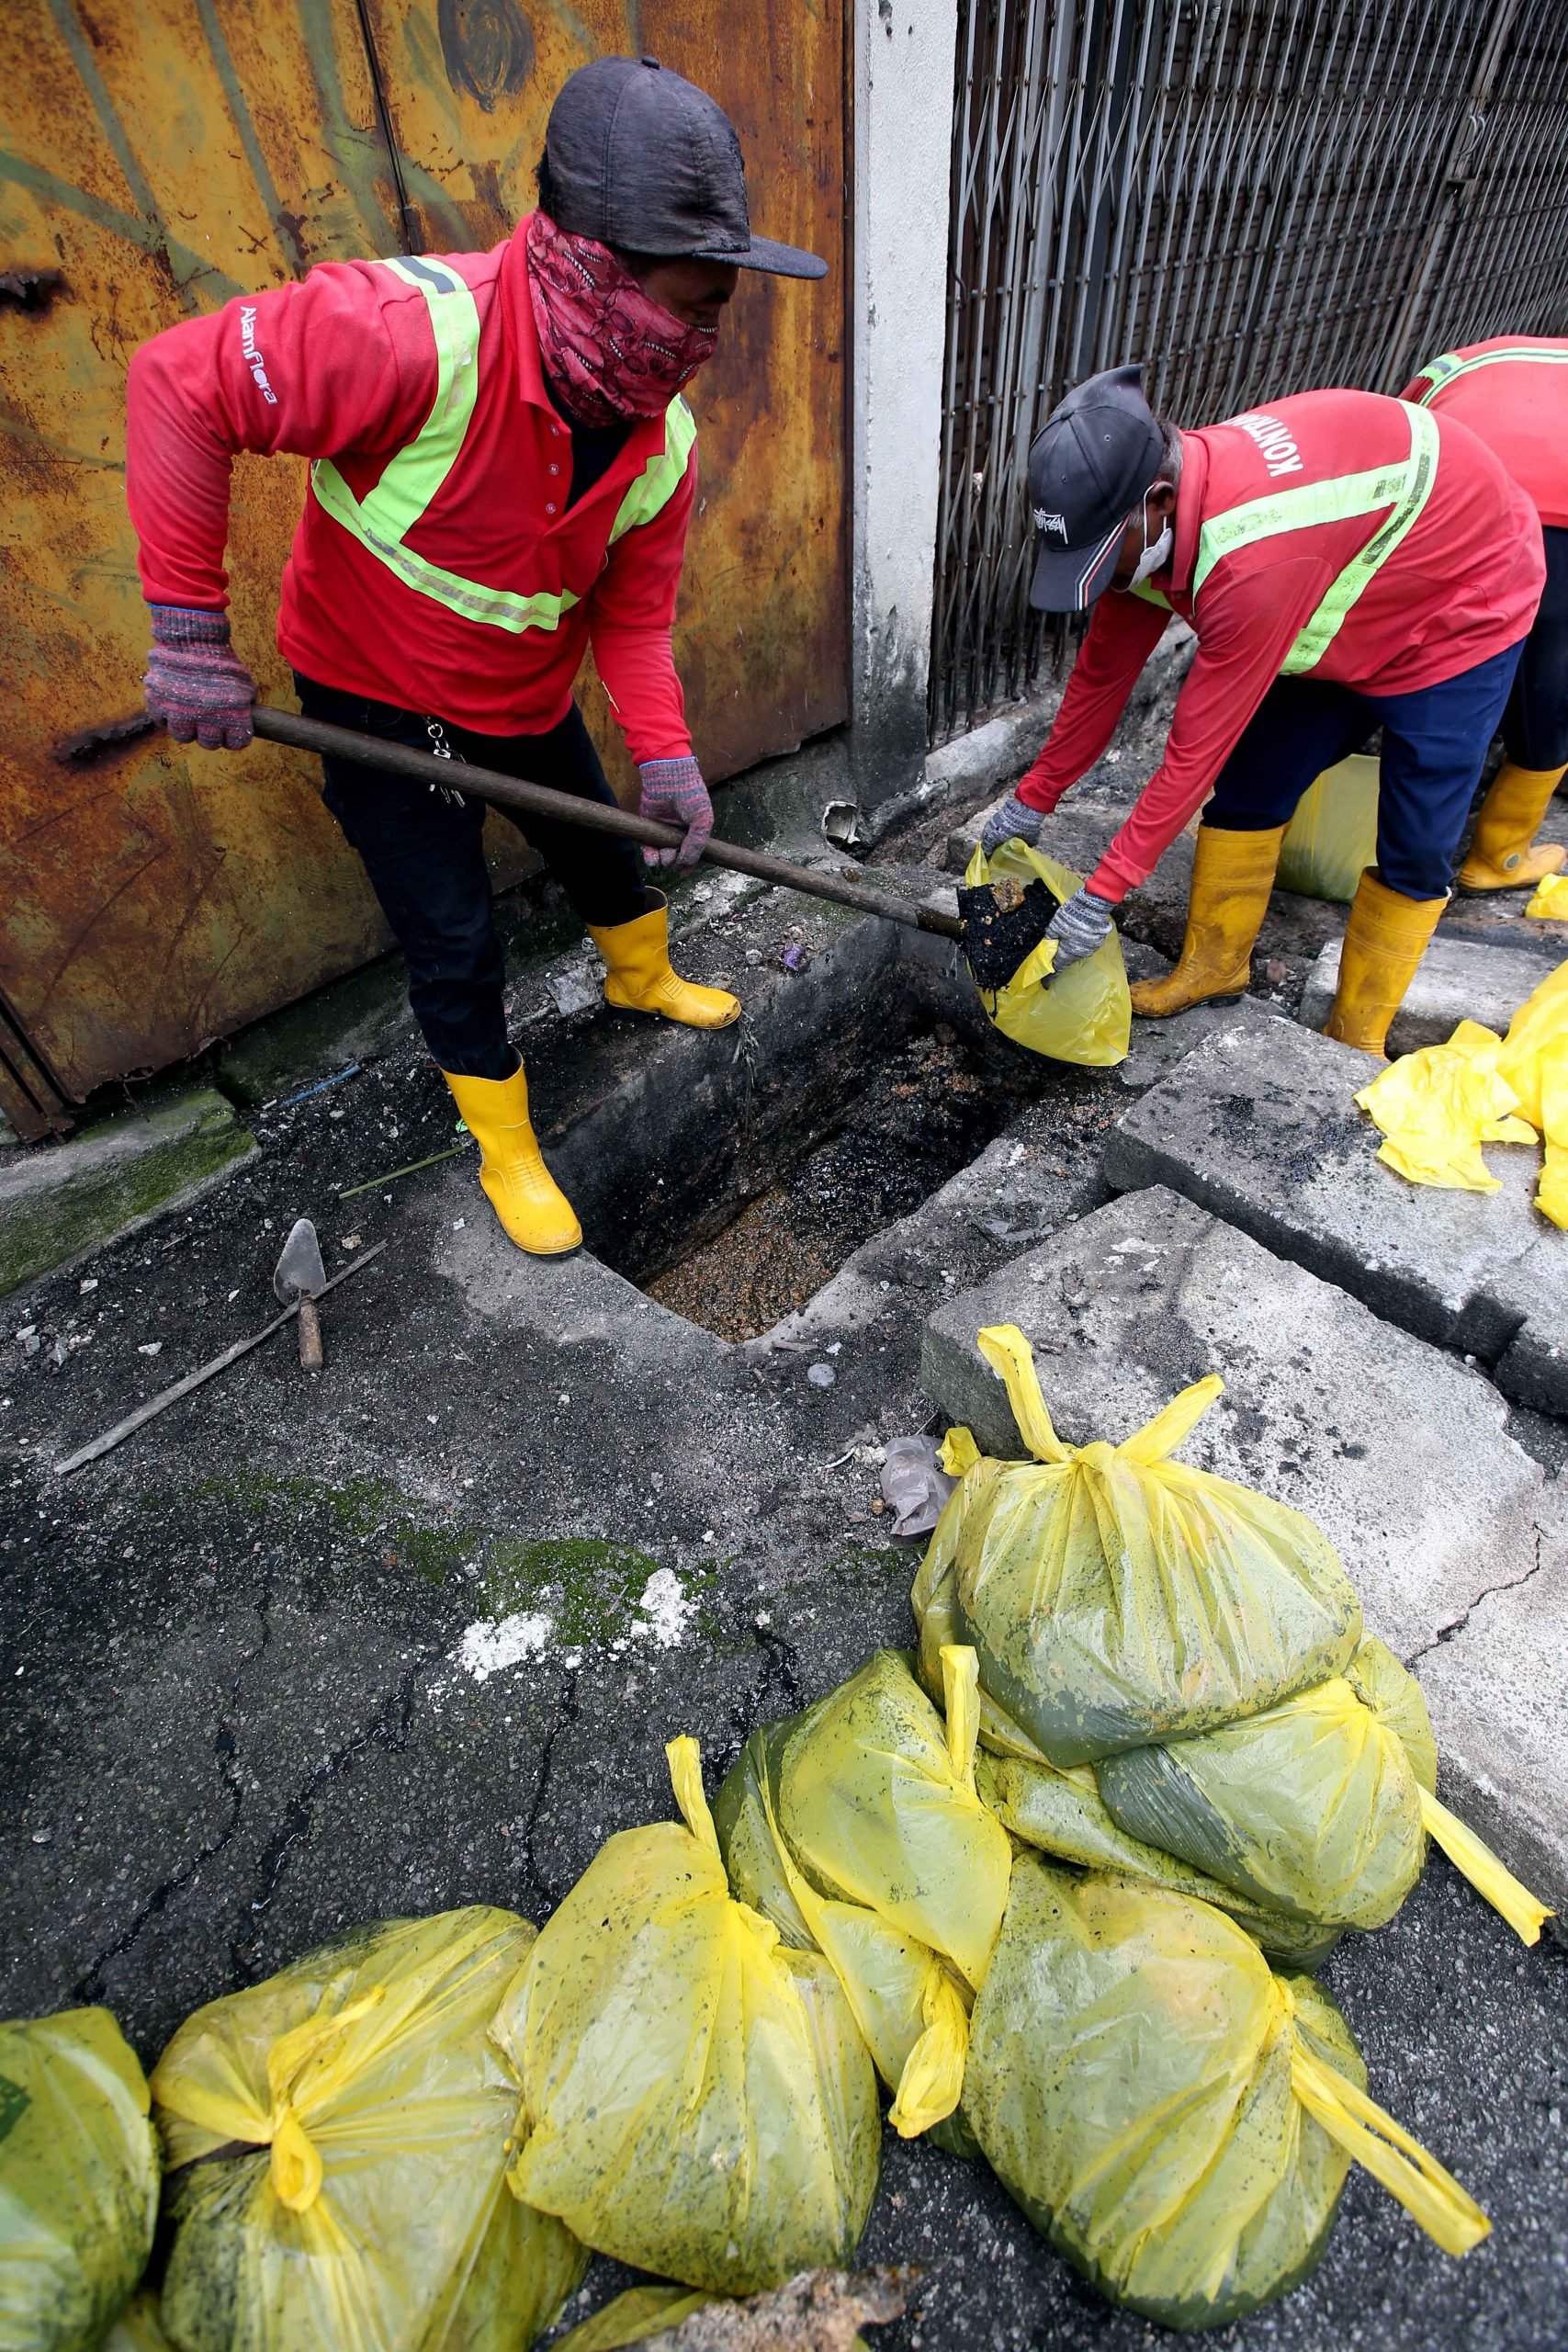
[(609, 350)]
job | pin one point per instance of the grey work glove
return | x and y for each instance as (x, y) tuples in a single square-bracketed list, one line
[(1079, 925), (1013, 822), (674, 792)]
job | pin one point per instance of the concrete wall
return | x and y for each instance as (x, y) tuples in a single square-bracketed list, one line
[(902, 135)]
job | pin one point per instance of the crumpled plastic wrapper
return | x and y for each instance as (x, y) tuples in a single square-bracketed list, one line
[(914, 1485)]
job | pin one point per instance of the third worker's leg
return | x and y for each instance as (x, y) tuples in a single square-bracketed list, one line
[(1300, 727), (1433, 741), (1535, 737)]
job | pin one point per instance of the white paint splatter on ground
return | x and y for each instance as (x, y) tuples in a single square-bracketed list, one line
[(493, 1643), (666, 1608), (489, 1645)]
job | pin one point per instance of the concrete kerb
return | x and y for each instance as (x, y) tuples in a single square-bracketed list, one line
[(1459, 980), (59, 1202), (1449, 1529), (1262, 1129)]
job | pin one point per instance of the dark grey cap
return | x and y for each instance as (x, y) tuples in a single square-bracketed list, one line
[(642, 159), (1090, 464)]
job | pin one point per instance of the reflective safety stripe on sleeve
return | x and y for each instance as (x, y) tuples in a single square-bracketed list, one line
[(1402, 485), (413, 476)]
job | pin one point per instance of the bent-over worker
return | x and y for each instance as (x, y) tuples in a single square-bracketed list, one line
[(503, 473), (1348, 563), (1513, 393)]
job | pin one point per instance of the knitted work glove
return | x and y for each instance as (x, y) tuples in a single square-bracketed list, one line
[(674, 792), (196, 686), (1079, 926), (1013, 822)]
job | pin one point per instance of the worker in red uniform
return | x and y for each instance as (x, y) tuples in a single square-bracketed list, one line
[(503, 472), (1513, 393), (1348, 563)]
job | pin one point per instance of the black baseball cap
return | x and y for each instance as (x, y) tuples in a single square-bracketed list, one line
[(1090, 464), (640, 158)]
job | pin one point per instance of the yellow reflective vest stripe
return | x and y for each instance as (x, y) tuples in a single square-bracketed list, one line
[(414, 475), (1402, 485), (1437, 373)]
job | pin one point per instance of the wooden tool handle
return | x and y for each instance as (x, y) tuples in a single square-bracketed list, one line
[(592, 816), (309, 1336)]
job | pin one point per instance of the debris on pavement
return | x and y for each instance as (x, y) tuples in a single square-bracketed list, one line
[(816, 2310), (915, 1487)]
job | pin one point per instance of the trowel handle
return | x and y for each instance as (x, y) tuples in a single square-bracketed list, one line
[(309, 1336)]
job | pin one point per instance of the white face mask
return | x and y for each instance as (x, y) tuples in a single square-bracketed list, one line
[(1155, 553)]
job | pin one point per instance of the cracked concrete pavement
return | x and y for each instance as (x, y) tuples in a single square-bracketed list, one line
[(414, 1634)]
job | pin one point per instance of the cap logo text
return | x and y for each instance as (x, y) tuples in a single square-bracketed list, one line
[(1045, 521)]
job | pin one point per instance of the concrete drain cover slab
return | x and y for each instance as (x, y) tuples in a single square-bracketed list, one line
[(1260, 1125), (1398, 1451), (1459, 980)]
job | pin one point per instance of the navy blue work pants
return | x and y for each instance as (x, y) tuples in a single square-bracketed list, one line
[(1434, 743), (422, 850), (1535, 725)]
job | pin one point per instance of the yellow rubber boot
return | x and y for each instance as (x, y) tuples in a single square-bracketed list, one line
[(641, 980), (1500, 856), (1232, 874), (1385, 941), (534, 1211)]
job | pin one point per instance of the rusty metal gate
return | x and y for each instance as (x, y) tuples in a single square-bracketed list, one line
[(1252, 196), (158, 156)]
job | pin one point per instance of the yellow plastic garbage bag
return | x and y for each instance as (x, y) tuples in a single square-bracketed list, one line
[(138, 2328), (1550, 900), (1059, 1811), (1333, 837), (78, 2179), (1551, 1195), (338, 2138), (698, 2099), (1315, 1807), (1114, 1596), (1086, 1016), (818, 2311), (1435, 1109), (1177, 2119), (855, 1827)]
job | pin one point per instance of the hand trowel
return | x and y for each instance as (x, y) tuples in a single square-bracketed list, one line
[(300, 1276)]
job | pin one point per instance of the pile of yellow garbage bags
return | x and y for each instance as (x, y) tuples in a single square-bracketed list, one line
[(1056, 1881), (1438, 1106)]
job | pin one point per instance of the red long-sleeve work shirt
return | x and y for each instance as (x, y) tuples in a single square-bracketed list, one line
[(344, 365), (1513, 393), (1462, 585)]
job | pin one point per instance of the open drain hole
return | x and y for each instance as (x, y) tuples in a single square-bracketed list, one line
[(903, 1127)]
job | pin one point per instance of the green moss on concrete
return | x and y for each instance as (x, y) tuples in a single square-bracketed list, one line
[(59, 1200), (356, 1510), (592, 1590)]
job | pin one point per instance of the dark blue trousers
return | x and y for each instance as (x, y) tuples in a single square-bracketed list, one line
[(1535, 725), (1434, 743), (423, 852)]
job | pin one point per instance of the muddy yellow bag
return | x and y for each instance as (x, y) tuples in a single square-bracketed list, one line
[(855, 1827), (78, 2179), (1114, 1596), (1059, 1811), (698, 2101), (1333, 837), (1086, 1016), (138, 2328), (366, 2205), (1319, 1808), (1177, 2119)]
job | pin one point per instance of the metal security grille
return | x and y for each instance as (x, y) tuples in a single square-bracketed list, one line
[(1252, 196)]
